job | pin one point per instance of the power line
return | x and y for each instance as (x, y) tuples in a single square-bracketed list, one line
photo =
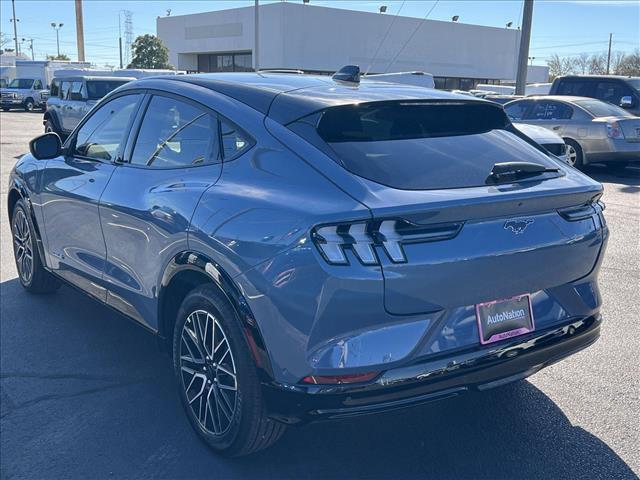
[(384, 38), (411, 36)]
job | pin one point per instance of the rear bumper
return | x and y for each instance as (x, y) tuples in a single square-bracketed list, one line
[(434, 378)]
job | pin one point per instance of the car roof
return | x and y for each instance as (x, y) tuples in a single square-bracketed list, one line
[(73, 78), (597, 77), (288, 97), (557, 98)]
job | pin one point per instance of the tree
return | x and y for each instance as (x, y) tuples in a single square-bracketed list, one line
[(62, 56), (559, 66), (598, 64), (149, 52), (630, 64), (582, 63)]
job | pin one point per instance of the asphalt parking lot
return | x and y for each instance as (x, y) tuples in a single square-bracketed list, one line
[(85, 393)]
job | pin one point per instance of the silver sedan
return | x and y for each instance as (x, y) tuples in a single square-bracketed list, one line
[(594, 131)]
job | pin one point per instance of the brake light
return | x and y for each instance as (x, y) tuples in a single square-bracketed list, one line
[(614, 130), (369, 239)]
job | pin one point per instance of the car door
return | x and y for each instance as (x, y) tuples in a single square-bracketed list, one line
[(147, 207), (71, 188), (612, 91), (550, 114)]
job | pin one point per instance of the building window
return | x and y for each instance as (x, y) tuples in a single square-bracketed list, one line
[(225, 62)]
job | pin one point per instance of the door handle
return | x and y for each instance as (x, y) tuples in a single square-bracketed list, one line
[(557, 127)]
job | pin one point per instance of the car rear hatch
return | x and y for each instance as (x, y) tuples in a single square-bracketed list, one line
[(630, 127), (447, 232)]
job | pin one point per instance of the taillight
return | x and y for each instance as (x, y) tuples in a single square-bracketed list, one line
[(367, 239), (614, 130)]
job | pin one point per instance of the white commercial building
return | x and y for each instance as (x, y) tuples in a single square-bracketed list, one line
[(321, 39)]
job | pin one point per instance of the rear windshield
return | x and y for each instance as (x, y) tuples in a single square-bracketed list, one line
[(96, 89), (420, 146), (598, 108)]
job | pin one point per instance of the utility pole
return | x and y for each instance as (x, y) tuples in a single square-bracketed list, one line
[(256, 34), (523, 54), (80, 30), (30, 40), (120, 37), (609, 54), (15, 25)]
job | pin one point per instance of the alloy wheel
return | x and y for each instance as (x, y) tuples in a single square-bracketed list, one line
[(208, 372), (572, 155), (23, 246)]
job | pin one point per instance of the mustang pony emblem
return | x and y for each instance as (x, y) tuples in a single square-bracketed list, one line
[(517, 226)]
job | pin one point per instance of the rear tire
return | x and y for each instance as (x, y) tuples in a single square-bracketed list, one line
[(575, 156), (31, 272), (220, 390)]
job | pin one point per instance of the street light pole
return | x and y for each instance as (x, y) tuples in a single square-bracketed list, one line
[(525, 39), (256, 40), (57, 27)]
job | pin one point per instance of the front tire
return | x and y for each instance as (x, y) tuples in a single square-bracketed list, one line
[(29, 105), (575, 155), (49, 126), (217, 377), (31, 272)]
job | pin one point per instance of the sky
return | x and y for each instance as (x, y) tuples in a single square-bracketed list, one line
[(565, 27)]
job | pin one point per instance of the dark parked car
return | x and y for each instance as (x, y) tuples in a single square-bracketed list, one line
[(308, 249), (621, 91)]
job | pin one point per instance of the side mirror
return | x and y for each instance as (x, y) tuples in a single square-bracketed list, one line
[(46, 146), (626, 101)]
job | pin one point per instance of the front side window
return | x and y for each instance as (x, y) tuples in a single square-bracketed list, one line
[(55, 89), (545, 110), (176, 134), (37, 85), (64, 89), (75, 93), (612, 92), (517, 110), (101, 137)]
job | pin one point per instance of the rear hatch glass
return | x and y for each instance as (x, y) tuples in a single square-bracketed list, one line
[(417, 145)]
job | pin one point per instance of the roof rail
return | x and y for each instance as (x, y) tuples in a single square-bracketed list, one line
[(281, 70)]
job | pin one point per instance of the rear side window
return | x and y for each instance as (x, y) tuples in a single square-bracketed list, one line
[(547, 110), (421, 146), (96, 89), (579, 88), (176, 134), (234, 141)]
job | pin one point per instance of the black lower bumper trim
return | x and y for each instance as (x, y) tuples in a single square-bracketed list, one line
[(434, 378)]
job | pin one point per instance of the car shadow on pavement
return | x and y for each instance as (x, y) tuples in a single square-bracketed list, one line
[(629, 177), (87, 394)]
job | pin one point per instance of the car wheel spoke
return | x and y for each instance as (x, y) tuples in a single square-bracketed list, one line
[(208, 372)]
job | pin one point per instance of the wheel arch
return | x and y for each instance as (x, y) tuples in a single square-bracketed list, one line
[(190, 269), (18, 192), (49, 115)]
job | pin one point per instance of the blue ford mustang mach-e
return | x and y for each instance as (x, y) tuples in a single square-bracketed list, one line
[(310, 248)]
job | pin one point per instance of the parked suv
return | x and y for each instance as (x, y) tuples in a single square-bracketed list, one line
[(72, 97), (313, 249), (25, 93), (621, 91)]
